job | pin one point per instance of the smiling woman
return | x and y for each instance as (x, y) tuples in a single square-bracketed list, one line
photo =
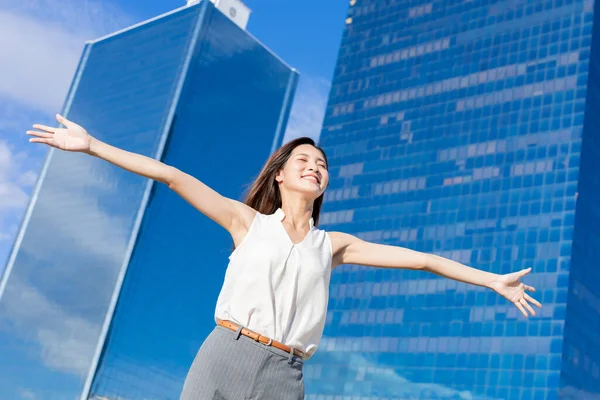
[(276, 286)]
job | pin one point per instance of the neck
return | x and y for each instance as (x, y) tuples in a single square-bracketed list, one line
[(298, 211)]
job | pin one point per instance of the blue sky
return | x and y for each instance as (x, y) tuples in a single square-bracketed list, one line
[(42, 41)]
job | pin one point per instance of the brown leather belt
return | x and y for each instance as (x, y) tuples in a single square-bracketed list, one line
[(260, 338)]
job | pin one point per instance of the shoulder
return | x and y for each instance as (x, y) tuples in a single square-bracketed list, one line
[(339, 243), (341, 239)]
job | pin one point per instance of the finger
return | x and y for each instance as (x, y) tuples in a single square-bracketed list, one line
[(63, 120), (532, 300), (45, 128), (530, 288), (527, 306), (49, 142), (520, 307), (524, 272), (39, 134)]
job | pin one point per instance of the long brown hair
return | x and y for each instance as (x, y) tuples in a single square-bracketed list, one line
[(263, 195)]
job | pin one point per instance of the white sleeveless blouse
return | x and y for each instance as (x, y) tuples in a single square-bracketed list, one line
[(277, 288)]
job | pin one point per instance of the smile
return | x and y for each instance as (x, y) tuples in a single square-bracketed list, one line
[(312, 178)]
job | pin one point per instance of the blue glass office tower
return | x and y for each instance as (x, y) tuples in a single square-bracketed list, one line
[(467, 129), (112, 282)]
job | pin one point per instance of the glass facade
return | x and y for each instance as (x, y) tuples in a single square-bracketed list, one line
[(581, 355), (460, 128), (112, 283)]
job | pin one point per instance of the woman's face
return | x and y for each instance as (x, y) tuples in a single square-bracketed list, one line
[(305, 172)]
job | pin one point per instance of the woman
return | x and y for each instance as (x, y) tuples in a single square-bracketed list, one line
[(271, 309)]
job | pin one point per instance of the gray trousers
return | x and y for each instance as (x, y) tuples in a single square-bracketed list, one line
[(231, 366)]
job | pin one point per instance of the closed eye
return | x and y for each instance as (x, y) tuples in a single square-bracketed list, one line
[(303, 158)]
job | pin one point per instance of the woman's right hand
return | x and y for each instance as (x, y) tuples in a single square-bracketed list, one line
[(71, 138)]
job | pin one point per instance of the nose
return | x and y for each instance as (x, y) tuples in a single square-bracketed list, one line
[(315, 170)]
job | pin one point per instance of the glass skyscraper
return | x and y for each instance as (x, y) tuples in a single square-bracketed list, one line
[(467, 129), (111, 285)]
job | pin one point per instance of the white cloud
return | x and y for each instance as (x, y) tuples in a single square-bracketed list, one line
[(63, 339), (37, 61), (18, 169), (7, 233), (15, 180), (78, 17), (41, 43), (98, 233), (12, 196), (28, 394), (308, 109), (27, 178)]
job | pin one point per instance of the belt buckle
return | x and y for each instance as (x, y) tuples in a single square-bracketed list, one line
[(265, 344)]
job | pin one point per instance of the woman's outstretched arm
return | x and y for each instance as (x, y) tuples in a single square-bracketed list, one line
[(349, 249), (230, 214)]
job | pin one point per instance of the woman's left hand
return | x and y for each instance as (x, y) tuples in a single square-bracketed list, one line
[(511, 287)]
